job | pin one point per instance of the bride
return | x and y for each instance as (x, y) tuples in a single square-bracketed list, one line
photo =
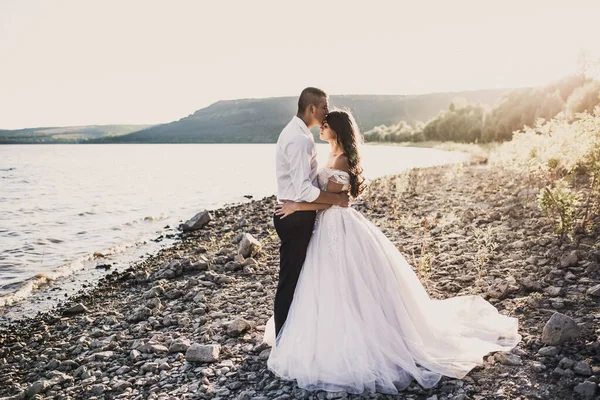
[(360, 319)]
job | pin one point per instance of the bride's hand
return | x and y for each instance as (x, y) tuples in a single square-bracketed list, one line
[(285, 209)]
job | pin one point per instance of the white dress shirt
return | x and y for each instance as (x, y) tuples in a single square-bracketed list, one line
[(296, 163)]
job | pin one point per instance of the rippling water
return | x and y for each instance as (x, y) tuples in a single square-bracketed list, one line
[(59, 204)]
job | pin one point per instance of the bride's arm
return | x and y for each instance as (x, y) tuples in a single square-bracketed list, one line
[(290, 207), (341, 164)]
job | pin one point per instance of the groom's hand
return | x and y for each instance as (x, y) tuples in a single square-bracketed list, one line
[(344, 199)]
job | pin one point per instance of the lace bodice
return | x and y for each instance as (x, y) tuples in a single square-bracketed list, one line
[(324, 175)]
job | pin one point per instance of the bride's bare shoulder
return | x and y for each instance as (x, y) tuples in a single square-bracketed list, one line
[(341, 163)]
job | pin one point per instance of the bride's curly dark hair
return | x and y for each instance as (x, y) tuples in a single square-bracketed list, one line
[(349, 138)]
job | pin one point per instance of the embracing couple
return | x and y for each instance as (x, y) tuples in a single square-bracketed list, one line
[(350, 313)]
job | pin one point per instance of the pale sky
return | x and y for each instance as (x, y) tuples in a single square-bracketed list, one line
[(85, 62)]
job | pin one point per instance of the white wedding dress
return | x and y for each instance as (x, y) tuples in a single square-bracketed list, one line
[(361, 320)]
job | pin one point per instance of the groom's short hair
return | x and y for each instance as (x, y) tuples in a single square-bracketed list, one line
[(309, 96)]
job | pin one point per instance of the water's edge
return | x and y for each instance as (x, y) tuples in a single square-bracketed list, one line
[(42, 292)]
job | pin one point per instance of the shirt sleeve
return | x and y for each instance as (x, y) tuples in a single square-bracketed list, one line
[(299, 153)]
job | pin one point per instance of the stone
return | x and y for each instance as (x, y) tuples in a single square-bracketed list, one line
[(174, 294), (134, 355), (250, 262), (164, 366), (198, 221), (68, 364), (140, 314), (581, 368), (123, 370), (76, 309), (508, 359), (570, 260), (98, 389), (199, 298), (538, 366), (238, 326), (179, 345), (201, 265), (58, 377), (246, 395), (586, 389), (103, 355), (149, 367), (554, 291), (37, 387), (594, 291), (203, 353), (249, 246), (549, 351), (154, 292), (559, 329), (235, 385), (119, 385), (159, 348), (500, 291), (530, 285), (570, 277), (154, 303), (264, 355), (566, 363), (592, 267)]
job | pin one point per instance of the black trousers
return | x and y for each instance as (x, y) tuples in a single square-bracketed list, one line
[(294, 231)]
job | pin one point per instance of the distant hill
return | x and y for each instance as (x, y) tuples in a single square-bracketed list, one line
[(68, 134), (261, 120)]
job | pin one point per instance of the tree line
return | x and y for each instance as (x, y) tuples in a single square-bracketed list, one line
[(519, 108)]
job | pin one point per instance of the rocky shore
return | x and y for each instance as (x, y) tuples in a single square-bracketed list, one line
[(188, 322)]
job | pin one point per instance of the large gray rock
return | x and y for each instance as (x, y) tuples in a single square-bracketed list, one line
[(581, 368), (98, 389), (508, 359), (554, 291), (203, 353), (159, 348), (570, 260), (249, 246), (179, 345), (76, 309), (559, 329), (586, 389), (198, 221), (201, 265), (594, 291), (37, 387), (139, 314), (154, 292), (104, 355), (149, 367), (238, 326), (120, 385), (58, 377), (549, 351)]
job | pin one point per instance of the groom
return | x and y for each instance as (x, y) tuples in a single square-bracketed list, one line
[(296, 168)]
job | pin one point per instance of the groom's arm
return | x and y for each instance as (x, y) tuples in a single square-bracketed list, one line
[(338, 199), (299, 153)]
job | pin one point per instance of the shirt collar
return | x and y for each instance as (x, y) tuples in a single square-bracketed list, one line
[(302, 125)]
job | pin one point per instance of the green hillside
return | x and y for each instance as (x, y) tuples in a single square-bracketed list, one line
[(67, 134), (261, 120)]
